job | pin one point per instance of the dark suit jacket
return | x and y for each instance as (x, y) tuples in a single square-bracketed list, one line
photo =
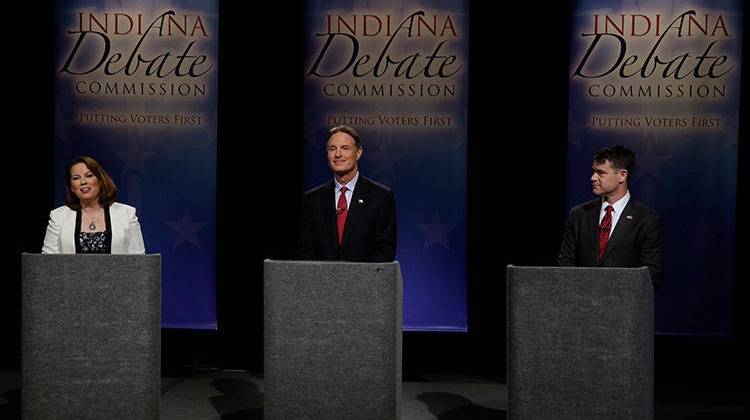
[(369, 232), (637, 240)]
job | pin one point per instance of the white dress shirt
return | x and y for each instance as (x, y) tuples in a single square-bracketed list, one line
[(618, 206), (349, 190)]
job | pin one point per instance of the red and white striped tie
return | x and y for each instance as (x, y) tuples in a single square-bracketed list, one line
[(604, 229)]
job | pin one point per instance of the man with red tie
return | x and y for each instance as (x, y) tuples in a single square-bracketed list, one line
[(613, 230), (350, 217)]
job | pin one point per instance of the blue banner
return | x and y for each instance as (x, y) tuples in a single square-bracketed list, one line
[(136, 89), (397, 72), (663, 78)]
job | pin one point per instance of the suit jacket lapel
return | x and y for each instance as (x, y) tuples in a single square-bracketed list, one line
[(593, 223), (328, 209), (355, 208), (624, 224)]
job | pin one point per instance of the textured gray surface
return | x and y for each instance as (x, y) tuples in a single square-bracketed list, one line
[(91, 336), (332, 340), (238, 395), (580, 343)]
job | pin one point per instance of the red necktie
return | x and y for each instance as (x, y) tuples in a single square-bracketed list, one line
[(341, 211), (604, 229)]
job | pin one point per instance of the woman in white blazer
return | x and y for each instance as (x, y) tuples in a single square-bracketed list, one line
[(91, 221)]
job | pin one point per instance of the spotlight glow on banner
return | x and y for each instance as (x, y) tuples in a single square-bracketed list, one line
[(663, 78), (397, 72), (136, 89)]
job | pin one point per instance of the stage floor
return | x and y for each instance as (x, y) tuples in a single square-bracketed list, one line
[(238, 395)]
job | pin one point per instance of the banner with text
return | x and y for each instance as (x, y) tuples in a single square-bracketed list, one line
[(136, 89), (663, 79), (397, 72)]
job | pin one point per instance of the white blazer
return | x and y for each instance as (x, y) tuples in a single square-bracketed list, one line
[(126, 231)]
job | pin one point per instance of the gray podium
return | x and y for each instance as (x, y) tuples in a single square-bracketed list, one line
[(332, 340), (91, 336), (580, 343)]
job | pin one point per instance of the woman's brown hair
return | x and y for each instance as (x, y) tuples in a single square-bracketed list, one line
[(107, 187)]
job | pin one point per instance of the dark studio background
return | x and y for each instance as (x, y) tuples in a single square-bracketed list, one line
[(516, 185)]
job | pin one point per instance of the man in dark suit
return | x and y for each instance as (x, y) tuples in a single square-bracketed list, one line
[(349, 218), (613, 230)]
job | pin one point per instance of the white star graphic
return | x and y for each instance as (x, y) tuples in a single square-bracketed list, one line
[(186, 230), (649, 164), (382, 160), (134, 158), (437, 232)]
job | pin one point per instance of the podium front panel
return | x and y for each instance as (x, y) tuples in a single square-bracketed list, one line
[(580, 343), (91, 336), (332, 340)]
